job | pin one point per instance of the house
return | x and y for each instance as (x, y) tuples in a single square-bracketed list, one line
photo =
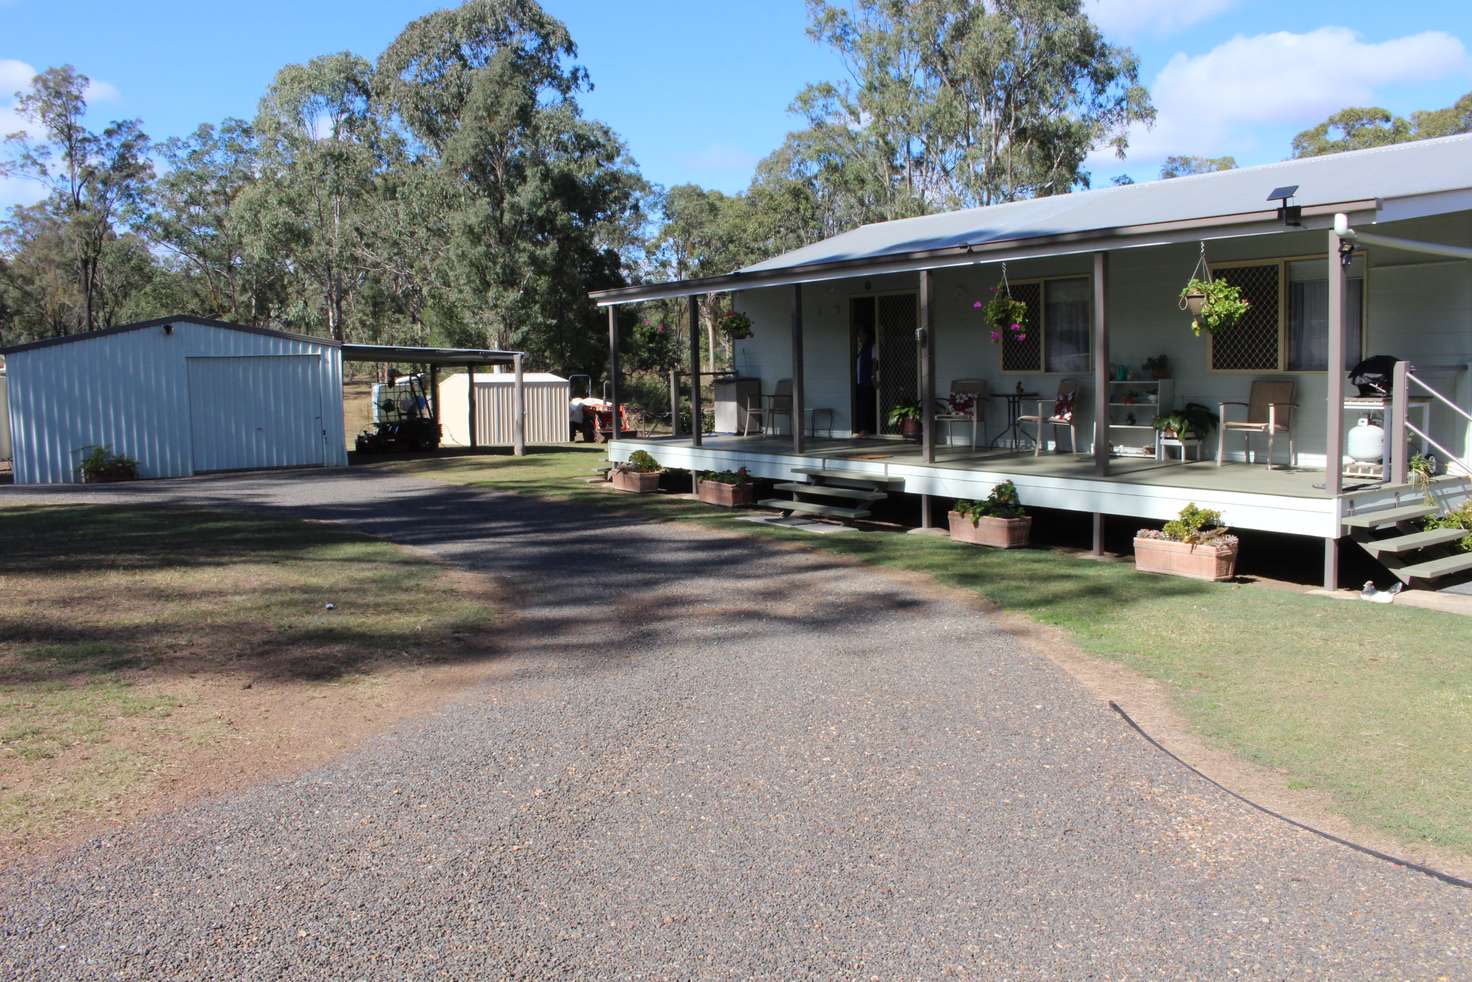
[(1340, 257), (185, 395)]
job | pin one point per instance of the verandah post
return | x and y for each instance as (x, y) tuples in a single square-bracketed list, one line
[(1101, 363), (613, 367), (926, 338), (1334, 409), (674, 401), (797, 370), (1400, 444), (470, 401), (697, 427)]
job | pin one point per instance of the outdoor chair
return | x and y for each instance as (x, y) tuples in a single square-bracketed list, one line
[(1061, 413), (962, 390), (1270, 409), (767, 409)]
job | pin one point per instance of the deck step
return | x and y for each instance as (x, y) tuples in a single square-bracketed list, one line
[(1436, 568), (813, 508), (842, 475), (1410, 543), (832, 491), (1390, 516)]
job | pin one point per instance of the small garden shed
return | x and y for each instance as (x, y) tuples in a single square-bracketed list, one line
[(181, 395), (547, 398)]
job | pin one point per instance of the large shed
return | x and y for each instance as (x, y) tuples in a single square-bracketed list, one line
[(181, 395)]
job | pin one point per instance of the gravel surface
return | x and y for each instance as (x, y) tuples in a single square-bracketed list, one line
[(714, 757)]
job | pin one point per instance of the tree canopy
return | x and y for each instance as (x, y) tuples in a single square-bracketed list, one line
[(1363, 127)]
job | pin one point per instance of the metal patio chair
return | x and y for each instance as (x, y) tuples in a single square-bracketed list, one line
[(976, 388), (767, 409), (1270, 409), (1062, 412)]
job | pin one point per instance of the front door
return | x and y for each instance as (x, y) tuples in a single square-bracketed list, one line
[(890, 320)]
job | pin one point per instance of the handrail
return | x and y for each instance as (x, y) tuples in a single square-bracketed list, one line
[(1400, 424), (1449, 404)]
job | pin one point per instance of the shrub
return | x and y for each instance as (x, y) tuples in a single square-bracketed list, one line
[(641, 462), (737, 477), (1003, 502), (1196, 526), (101, 464), (1460, 518)]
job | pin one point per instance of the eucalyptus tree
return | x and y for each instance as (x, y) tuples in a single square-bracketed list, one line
[(540, 202), (96, 182), (318, 140), (1184, 165), (1363, 127), (953, 103)]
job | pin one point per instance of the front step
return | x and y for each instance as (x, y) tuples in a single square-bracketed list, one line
[(1412, 542), (826, 491), (1390, 516), (813, 508), (1436, 568), (850, 477)]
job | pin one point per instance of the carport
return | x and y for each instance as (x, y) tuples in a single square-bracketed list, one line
[(468, 358)]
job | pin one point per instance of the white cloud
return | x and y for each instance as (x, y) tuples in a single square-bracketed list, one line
[(1212, 103), (14, 76), (99, 91), (1128, 19)]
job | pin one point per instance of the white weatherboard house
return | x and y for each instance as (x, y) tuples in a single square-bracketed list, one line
[(1371, 256), (180, 395)]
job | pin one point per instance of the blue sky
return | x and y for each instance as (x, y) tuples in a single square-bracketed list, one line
[(700, 91)]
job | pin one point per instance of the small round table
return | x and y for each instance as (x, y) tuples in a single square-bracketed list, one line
[(1014, 410)]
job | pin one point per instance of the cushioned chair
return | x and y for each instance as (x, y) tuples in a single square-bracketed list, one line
[(1270, 409), (976, 390), (1059, 413), (768, 409)]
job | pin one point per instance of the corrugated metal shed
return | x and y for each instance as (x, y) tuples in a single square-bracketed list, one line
[(1399, 171), (181, 395), (547, 398)]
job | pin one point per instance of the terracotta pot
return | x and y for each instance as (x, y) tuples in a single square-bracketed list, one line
[(639, 482), (1194, 303), (1000, 533), (1199, 562), (725, 495), (910, 430)]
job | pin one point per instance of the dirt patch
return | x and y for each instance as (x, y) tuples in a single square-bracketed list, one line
[(158, 656)]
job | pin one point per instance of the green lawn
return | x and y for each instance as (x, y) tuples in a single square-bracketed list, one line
[(150, 650), (1369, 704)]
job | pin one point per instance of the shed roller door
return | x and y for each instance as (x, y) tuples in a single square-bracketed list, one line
[(255, 412)]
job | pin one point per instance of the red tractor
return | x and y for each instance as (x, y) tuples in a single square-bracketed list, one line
[(593, 418)]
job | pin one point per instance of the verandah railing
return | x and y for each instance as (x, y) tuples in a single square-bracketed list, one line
[(1401, 426)]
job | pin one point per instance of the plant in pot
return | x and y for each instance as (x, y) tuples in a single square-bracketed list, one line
[(640, 473), (1158, 366), (735, 325), (102, 466), (728, 489), (906, 415), (1196, 544), (997, 520), (1192, 422), (1214, 305), (1004, 316)]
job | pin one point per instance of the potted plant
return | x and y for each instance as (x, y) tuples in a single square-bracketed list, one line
[(1213, 304), (102, 466), (1192, 422), (1005, 316), (1196, 545), (728, 489), (906, 415), (1158, 366), (997, 520), (735, 325), (640, 473)]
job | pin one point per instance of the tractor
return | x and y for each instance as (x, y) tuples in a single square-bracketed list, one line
[(405, 420), (593, 418)]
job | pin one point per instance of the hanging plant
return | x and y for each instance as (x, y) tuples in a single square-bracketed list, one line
[(734, 325), (1006, 317), (1213, 304)]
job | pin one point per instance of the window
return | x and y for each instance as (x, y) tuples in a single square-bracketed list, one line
[(1286, 327), (1059, 328)]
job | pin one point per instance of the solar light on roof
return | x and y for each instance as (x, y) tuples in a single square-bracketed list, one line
[(1289, 215)]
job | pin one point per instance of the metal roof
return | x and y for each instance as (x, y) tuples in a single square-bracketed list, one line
[(1355, 181), (160, 322)]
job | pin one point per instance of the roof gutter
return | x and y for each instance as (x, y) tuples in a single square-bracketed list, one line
[(1038, 246)]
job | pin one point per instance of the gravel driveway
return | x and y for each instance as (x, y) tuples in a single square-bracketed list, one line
[(714, 757)]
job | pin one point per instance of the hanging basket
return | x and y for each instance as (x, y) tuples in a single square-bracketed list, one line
[(1213, 304), (1004, 316), (1192, 302)]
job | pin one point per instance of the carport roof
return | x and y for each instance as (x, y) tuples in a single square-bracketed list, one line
[(428, 356)]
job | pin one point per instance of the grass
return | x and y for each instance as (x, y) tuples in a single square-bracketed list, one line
[(144, 650), (1371, 705)]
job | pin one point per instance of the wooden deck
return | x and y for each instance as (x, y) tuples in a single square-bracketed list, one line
[(1249, 496)]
